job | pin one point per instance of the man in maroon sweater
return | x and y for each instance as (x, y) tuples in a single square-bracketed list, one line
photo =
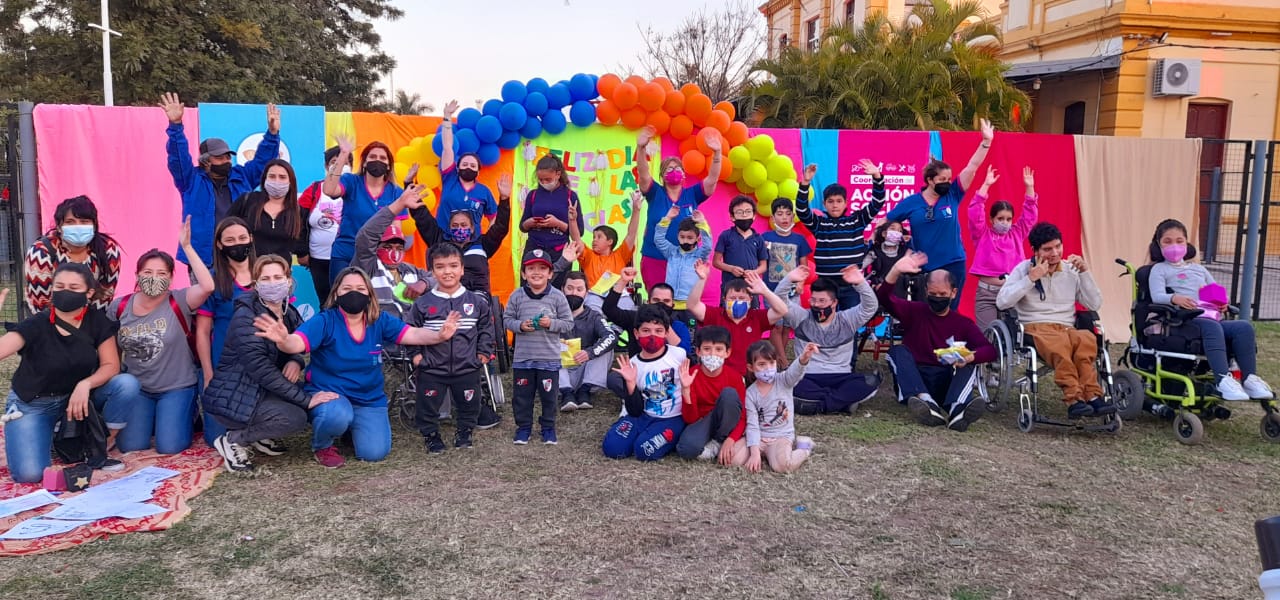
[(928, 326)]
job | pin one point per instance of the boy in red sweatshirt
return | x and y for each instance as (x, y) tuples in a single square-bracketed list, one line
[(713, 393)]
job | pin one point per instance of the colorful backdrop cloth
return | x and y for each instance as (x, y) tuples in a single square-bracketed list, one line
[(242, 127), (115, 156)]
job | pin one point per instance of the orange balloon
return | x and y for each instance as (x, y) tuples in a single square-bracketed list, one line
[(697, 107), (607, 83), (660, 122), (652, 96), (626, 96), (728, 108), (690, 144), (694, 162), (737, 134), (726, 170), (719, 121), (674, 104), (634, 118), (665, 83), (681, 126), (690, 90), (636, 80), (607, 112)]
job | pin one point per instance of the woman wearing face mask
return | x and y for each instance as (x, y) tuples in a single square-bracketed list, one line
[(232, 277), (75, 238), (155, 349), (934, 213), (345, 342), (459, 189), (362, 195), (671, 191), (256, 396), (1000, 244), (278, 225), (69, 359), (546, 210), (324, 214), (463, 229)]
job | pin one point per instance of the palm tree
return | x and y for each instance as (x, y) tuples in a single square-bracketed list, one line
[(934, 70), (405, 104)]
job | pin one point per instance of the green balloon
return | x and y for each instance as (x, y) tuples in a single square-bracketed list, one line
[(755, 174), (777, 167), (767, 192), (739, 157), (789, 189), (761, 147)]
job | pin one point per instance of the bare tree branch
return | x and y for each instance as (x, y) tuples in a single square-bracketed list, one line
[(715, 50)]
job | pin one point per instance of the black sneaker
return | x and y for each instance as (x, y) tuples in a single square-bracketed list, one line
[(966, 417), (1079, 410), (234, 456), (434, 444), (488, 418), (462, 439), (270, 447), (926, 413), (110, 465), (1102, 407)]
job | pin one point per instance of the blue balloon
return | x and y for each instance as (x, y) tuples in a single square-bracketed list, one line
[(582, 114), (488, 129), (512, 116), (553, 122), (532, 129), (514, 91), (467, 118), (489, 154), (492, 107), (559, 96), (437, 143), (467, 141), (511, 139), (535, 104), (582, 88), (537, 84)]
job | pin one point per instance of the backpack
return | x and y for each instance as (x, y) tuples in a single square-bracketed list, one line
[(182, 321)]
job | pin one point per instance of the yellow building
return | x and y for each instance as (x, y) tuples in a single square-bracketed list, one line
[(801, 23), (1151, 68)]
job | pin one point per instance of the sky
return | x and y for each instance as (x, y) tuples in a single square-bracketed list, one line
[(466, 50)]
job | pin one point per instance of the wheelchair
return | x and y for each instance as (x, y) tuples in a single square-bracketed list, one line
[(1018, 369), (1167, 364), (883, 331)]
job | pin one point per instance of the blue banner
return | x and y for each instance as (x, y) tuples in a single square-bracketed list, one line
[(242, 127)]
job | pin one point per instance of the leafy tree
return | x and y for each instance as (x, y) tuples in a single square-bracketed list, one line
[(920, 74), (715, 50), (406, 104), (319, 52)]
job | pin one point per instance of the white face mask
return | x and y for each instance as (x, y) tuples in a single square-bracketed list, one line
[(711, 361), (767, 375)]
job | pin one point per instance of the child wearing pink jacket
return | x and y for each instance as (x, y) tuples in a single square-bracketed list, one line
[(1000, 243)]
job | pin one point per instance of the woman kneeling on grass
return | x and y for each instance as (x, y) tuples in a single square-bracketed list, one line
[(69, 358), (255, 392), (345, 342)]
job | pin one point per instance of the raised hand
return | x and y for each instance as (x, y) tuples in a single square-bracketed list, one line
[(755, 284), (628, 275), (807, 176), (1078, 262), (687, 375), (992, 177), (852, 275), (450, 107), (702, 269), (912, 262), (273, 119), (346, 145), (809, 350), (799, 274), (411, 198), (271, 329), (698, 217), (988, 132), (172, 107), (450, 325), (870, 168), (672, 212), (1028, 178), (319, 398), (1037, 271), (714, 145), (504, 186), (573, 211), (412, 175), (637, 198), (184, 235), (572, 250), (626, 370), (644, 137)]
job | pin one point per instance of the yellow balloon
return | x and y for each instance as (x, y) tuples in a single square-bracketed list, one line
[(429, 176), (402, 170), (409, 155), (763, 208), (767, 192), (429, 199)]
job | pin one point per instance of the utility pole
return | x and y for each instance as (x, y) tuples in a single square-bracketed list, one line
[(108, 93)]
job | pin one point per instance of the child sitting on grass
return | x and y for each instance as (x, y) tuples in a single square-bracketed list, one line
[(771, 415)]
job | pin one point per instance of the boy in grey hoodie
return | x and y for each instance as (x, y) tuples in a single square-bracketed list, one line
[(539, 316)]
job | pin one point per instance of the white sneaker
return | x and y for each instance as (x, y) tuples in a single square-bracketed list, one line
[(585, 406), (805, 443), (568, 407), (711, 451), (1257, 389), (1230, 389)]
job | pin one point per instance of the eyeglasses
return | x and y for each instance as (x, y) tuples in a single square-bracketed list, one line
[(744, 214)]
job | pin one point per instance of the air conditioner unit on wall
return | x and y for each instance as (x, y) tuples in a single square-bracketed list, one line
[(1176, 77)]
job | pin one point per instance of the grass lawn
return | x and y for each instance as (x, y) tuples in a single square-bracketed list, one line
[(885, 510)]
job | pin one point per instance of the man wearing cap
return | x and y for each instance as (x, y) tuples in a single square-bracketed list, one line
[(209, 188)]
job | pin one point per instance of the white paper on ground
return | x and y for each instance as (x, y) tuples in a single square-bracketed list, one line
[(38, 528), (35, 499), (93, 512)]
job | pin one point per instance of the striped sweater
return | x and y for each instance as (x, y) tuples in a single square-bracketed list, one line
[(840, 241), (43, 258)]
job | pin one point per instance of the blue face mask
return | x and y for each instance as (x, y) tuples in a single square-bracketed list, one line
[(460, 234), (738, 308), (77, 235)]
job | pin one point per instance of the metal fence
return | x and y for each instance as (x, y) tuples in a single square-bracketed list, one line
[(1227, 178), (11, 243)]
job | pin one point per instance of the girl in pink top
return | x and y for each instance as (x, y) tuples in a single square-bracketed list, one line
[(1000, 243)]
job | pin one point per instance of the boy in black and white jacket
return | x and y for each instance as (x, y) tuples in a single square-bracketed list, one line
[(595, 354), (454, 367)]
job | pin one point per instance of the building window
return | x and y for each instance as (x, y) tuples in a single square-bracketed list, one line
[(1073, 119), (851, 13), (811, 34), (783, 42)]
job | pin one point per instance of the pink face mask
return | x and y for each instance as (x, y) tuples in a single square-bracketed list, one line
[(893, 237), (673, 177), (1174, 252)]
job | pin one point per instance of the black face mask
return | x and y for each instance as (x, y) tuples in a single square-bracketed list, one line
[(939, 304), (575, 302), (743, 224), (223, 170), (822, 314), (941, 188), (376, 168), (69, 301), (468, 175), (353, 303), (688, 247), (237, 252)]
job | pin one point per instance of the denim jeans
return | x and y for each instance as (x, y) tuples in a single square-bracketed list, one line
[(370, 427), (169, 416), (28, 440), (1224, 340)]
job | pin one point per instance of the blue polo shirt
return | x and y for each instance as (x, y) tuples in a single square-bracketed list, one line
[(344, 365), (745, 252), (939, 237), (220, 310), (478, 200), (659, 203), (358, 206)]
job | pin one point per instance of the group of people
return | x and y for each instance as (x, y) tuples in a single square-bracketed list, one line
[(713, 382)]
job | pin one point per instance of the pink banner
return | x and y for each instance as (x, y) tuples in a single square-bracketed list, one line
[(901, 156), (115, 156)]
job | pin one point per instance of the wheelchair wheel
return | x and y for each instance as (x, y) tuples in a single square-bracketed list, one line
[(492, 388), (1026, 421), (501, 345), (1270, 427), (405, 402), (998, 395), (1188, 428), (1128, 392)]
